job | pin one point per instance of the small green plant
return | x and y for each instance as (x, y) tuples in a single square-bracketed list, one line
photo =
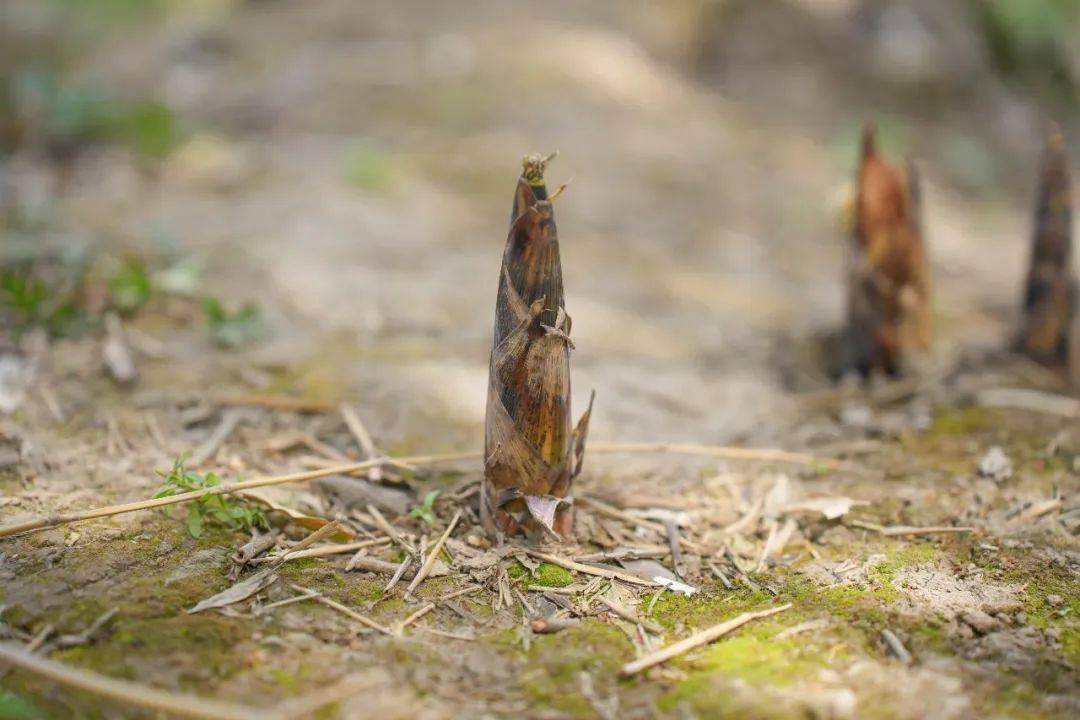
[(233, 329), (130, 288), (16, 707), (229, 512), (27, 301), (369, 168), (23, 296), (424, 510)]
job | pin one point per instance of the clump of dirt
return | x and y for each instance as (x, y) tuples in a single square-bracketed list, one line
[(935, 588)]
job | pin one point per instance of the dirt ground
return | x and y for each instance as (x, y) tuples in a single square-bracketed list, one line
[(349, 167)]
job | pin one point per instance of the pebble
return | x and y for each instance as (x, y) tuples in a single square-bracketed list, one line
[(1054, 600), (995, 464), (979, 621)]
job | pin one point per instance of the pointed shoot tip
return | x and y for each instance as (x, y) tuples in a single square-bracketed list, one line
[(533, 167)]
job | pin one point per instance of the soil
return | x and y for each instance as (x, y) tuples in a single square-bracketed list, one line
[(349, 167)]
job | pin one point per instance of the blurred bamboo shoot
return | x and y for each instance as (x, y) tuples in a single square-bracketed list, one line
[(531, 453), (889, 299), (1049, 330)]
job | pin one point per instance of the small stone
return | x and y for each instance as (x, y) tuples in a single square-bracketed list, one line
[(1054, 600), (1053, 633), (477, 541), (1021, 618), (995, 464), (979, 621), (857, 416)]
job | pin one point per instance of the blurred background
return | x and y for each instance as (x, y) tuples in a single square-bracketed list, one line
[(311, 198)]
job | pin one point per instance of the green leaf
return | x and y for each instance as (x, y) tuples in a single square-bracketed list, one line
[(209, 507), (130, 288), (183, 278), (424, 511), (233, 329), (15, 707), (369, 168), (195, 521)]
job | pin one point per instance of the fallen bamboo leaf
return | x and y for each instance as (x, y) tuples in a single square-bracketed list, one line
[(1039, 509), (263, 578), (694, 641), (532, 455), (308, 522), (1048, 332), (628, 615), (239, 591), (889, 311), (353, 492)]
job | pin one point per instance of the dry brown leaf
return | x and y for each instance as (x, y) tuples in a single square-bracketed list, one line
[(308, 522)]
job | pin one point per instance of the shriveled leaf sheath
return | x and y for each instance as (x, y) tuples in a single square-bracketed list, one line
[(528, 436), (889, 311), (1050, 296)]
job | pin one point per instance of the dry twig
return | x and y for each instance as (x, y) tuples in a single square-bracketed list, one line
[(319, 597), (324, 550), (763, 455), (124, 691), (363, 438), (276, 402), (590, 570), (626, 614), (49, 521), (696, 640), (1031, 400), (429, 563), (900, 530)]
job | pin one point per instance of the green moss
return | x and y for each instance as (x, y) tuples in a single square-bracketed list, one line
[(315, 573), (550, 575), (196, 648), (1018, 700), (755, 655), (711, 605), (882, 574), (370, 168), (293, 683), (555, 662), (715, 696), (1041, 581), (547, 575), (16, 707), (961, 421), (361, 589)]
